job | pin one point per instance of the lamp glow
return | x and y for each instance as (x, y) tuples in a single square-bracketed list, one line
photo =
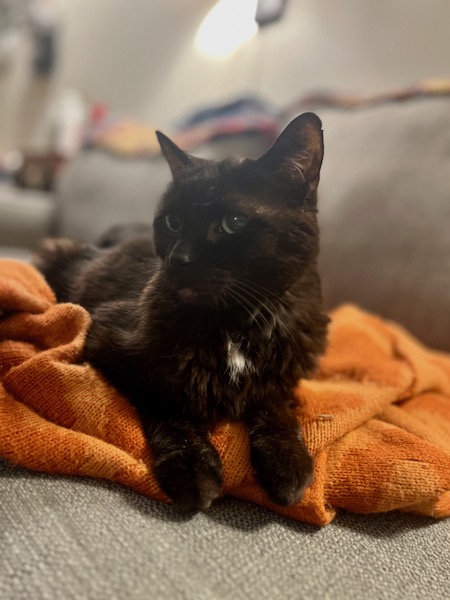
[(229, 25)]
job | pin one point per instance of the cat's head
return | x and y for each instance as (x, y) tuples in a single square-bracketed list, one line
[(231, 229)]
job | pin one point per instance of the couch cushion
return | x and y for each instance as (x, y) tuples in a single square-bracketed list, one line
[(26, 216), (79, 538), (385, 213)]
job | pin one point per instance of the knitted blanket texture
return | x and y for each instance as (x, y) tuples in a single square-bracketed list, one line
[(376, 416)]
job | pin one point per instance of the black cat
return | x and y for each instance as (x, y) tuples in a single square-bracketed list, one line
[(216, 315)]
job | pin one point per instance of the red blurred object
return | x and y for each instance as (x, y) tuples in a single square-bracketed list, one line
[(97, 113)]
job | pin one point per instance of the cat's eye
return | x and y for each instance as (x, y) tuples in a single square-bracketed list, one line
[(173, 223), (234, 222)]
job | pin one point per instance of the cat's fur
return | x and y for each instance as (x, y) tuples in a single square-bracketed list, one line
[(201, 325)]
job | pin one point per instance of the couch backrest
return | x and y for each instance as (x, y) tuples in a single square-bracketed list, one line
[(385, 213)]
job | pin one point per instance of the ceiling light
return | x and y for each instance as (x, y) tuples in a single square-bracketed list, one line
[(228, 26)]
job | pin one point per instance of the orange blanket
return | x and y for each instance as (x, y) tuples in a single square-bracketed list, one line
[(376, 417)]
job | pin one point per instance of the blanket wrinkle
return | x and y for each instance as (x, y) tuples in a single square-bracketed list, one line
[(376, 416)]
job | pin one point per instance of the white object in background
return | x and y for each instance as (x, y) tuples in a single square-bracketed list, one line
[(229, 25), (67, 123)]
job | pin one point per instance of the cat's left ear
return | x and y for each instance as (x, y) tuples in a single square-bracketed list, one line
[(297, 153), (177, 159)]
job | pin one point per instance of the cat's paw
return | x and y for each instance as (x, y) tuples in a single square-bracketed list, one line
[(284, 470), (192, 478)]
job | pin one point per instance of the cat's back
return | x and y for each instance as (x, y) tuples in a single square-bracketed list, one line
[(117, 273), (90, 275)]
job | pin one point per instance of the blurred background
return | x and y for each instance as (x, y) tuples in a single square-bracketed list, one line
[(143, 58), (84, 84)]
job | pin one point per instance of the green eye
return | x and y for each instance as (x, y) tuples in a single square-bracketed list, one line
[(233, 223), (173, 223)]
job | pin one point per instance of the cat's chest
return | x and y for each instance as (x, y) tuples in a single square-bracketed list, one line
[(237, 360), (226, 365), (227, 358), (215, 376)]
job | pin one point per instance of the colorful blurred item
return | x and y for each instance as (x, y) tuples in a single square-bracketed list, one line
[(246, 115), (427, 88), (127, 136), (120, 135)]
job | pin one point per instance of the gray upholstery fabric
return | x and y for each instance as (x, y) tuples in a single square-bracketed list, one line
[(63, 538), (25, 217), (15, 253), (385, 213), (97, 191)]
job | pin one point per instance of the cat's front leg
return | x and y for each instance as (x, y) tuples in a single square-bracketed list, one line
[(186, 465), (282, 464)]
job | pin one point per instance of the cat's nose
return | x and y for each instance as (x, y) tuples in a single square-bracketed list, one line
[(180, 259)]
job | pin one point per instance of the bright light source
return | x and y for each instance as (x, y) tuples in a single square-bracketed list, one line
[(229, 25)]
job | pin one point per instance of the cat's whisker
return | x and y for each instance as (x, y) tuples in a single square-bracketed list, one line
[(221, 299), (273, 308), (279, 306), (248, 305), (256, 299), (257, 305), (257, 295), (263, 290), (242, 302)]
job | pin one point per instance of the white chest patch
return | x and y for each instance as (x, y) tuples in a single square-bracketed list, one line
[(237, 362)]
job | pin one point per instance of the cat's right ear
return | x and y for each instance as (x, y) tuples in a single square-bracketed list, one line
[(177, 159), (297, 153)]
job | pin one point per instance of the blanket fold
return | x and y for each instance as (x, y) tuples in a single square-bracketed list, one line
[(376, 416)]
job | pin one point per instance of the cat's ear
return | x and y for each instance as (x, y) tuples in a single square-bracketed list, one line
[(297, 153), (178, 160)]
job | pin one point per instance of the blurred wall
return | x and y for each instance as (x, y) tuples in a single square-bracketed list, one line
[(139, 57)]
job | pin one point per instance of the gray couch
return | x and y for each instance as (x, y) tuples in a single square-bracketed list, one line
[(25, 217), (385, 215)]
